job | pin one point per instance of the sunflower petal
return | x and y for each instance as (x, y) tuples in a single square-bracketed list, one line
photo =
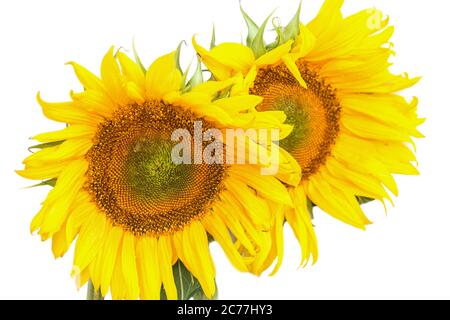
[(162, 77)]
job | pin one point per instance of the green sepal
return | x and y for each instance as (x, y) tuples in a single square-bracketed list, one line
[(92, 293), (138, 60), (364, 200), (292, 30), (184, 82), (177, 56), (49, 182), (225, 93), (197, 77), (251, 26), (187, 285), (184, 86), (212, 44), (258, 45), (280, 35), (45, 145), (310, 206)]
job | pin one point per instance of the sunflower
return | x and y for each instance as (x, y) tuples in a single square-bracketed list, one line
[(134, 211), (352, 131)]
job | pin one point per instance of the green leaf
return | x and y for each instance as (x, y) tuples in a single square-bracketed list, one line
[(46, 145), (185, 282), (258, 45), (138, 60), (200, 295), (251, 26), (213, 38), (292, 30), (49, 182)]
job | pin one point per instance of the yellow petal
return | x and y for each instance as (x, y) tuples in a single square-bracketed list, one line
[(220, 233), (214, 88), (90, 240), (134, 93), (61, 197), (60, 243), (112, 78), (256, 208), (290, 64), (300, 221), (231, 207), (87, 78), (239, 57), (328, 19), (334, 202), (279, 242), (94, 102), (70, 132), (364, 127), (147, 252), (225, 212), (132, 71), (274, 56), (109, 256), (195, 247), (264, 257), (162, 77), (129, 267), (69, 149), (46, 171), (79, 215), (366, 181), (226, 60), (119, 289), (165, 267), (238, 104), (67, 112), (267, 186), (306, 43)]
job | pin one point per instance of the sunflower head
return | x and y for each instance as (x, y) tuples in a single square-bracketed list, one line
[(351, 129), (134, 210)]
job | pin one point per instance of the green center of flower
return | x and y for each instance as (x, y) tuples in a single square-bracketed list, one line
[(150, 171), (296, 116)]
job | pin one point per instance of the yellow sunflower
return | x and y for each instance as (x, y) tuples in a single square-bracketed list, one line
[(134, 211), (352, 131)]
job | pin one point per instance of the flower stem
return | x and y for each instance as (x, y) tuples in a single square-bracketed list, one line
[(93, 294)]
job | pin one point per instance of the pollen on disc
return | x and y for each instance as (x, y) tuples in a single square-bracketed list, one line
[(314, 112), (132, 177)]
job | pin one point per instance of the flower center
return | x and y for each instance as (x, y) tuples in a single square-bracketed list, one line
[(314, 112), (132, 177)]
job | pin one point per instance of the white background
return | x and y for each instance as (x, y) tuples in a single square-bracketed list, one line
[(403, 255)]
